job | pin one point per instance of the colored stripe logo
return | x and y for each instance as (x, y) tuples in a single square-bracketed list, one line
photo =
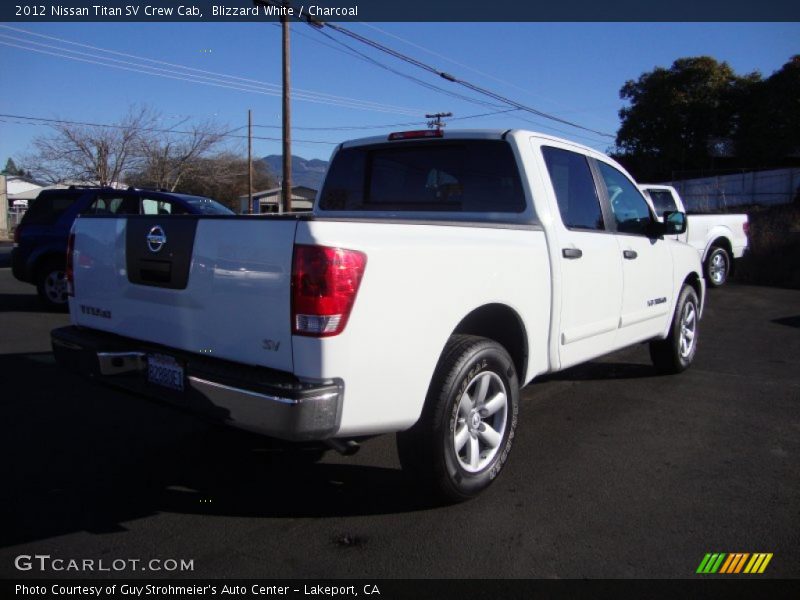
[(734, 563)]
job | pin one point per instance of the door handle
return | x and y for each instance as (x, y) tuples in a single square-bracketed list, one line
[(629, 254), (571, 253)]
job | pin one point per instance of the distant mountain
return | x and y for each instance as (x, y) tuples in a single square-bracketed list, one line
[(304, 172)]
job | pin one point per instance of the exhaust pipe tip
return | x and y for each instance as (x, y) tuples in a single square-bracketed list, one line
[(344, 447)]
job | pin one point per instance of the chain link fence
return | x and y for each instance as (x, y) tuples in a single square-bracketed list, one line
[(14, 218)]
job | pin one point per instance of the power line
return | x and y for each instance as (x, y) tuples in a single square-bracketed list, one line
[(448, 77), (389, 125), (221, 81), (455, 62), (44, 121), (349, 50), (217, 75)]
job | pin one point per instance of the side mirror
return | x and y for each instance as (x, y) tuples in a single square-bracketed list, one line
[(674, 223)]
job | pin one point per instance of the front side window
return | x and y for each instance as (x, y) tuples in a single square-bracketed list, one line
[(575, 190), (111, 204), (449, 176), (151, 206), (627, 203)]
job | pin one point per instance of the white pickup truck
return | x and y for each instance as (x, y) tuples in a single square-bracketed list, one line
[(719, 238), (437, 274)]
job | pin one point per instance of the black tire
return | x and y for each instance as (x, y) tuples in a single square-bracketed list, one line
[(428, 451), (672, 355), (717, 267), (51, 284)]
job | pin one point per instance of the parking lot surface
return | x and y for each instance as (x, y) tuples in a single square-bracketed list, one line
[(616, 472)]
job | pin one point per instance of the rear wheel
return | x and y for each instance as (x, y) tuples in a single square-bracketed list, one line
[(676, 353), (463, 438), (718, 266), (51, 284)]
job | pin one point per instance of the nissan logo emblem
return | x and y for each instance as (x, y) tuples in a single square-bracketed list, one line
[(156, 239)]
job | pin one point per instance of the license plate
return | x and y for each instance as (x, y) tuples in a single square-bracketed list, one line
[(164, 371)]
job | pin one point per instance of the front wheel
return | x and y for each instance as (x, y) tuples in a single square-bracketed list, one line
[(676, 353), (463, 438), (718, 266)]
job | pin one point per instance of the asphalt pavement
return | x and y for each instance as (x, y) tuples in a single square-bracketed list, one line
[(616, 471)]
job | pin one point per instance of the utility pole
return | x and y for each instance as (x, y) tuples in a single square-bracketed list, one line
[(287, 120), (249, 161), (286, 195), (436, 120)]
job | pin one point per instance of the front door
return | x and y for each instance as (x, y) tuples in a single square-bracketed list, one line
[(587, 259), (646, 260)]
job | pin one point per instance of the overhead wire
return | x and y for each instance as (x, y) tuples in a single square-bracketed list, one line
[(458, 63), (255, 86), (467, 84), (228, 134), (184, 67), (221, 81), (349, 50)]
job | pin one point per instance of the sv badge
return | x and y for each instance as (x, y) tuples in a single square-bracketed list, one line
[(270, 345)]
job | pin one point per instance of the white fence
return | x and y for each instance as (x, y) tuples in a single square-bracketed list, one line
[(764, 188)]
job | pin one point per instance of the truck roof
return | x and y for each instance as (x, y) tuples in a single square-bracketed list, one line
[(472, 134)]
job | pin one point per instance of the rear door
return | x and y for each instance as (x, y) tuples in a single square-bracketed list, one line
[(218, 286), (588, 258)]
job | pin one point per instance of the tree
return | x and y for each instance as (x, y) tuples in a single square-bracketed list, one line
[(100, 154), (169, 157), (224, 178), (12, 169), (681, 117), (769, 126)]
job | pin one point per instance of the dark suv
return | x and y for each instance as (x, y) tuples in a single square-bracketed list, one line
[(40, 240)]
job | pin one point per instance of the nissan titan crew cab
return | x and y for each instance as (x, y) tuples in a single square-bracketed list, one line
[(438, 273)]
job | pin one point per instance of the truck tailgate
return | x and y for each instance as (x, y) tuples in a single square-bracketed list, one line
[(214, 286)]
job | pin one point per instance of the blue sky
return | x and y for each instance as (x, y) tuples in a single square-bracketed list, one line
[(572, 70)]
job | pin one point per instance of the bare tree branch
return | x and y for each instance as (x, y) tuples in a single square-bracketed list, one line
[(100, 154)]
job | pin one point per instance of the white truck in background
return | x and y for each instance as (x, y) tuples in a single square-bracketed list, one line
[(438, 273), (719, 238)]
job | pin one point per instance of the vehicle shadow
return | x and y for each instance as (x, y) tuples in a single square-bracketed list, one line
[(793, 321), (21, 303), (5, 254), (84, 457), (601, 370)]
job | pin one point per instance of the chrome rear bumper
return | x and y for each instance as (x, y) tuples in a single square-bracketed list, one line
[(274, 403)]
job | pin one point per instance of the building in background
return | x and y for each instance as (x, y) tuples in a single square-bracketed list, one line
[(268, 201)]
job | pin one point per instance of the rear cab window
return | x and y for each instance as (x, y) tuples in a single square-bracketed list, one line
[(575, 190), (663, 201), (457, 177)]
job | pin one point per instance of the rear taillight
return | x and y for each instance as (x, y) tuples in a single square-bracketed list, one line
[(70, 271), (746, 228), (324, 286)]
